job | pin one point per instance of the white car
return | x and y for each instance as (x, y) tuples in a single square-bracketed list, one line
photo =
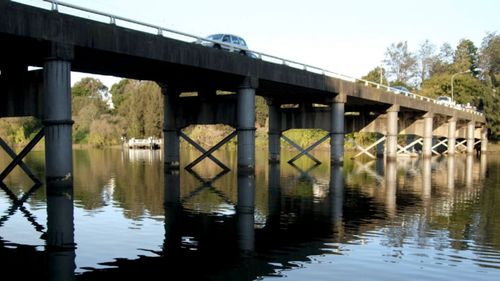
[(228, 42), (444, 100)]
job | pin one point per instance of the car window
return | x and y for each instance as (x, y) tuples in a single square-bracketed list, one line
[(235, 40), (242, 42), (215, 37), (226, 39)]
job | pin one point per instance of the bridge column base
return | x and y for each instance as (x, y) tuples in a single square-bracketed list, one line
[(471, 126), (246, 127), (58, 151), (452, 133), (337, 131), (427, 139), (392, 133), (274, 133)]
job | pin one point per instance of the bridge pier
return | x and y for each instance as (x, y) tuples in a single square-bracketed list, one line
[(170, 131), (484, 139), (452, 131), (274, 133), (471, 126), (246, 126), (337, 130), (427, 135), (392, 133), (58, 147)]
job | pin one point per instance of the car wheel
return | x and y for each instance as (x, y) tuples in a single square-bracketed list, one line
[(243, 52), (217, 46)]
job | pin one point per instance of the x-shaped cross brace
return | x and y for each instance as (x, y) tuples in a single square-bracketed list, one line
[(307, 150)]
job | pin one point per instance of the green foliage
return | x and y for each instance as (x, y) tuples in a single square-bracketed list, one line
[(490, 58), (376, 75), (261, 111), (400, 62), (89, 87)]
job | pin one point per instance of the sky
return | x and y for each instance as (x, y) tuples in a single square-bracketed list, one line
[(348, 37)]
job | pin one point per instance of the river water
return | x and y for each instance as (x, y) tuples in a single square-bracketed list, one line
[(410, 220)]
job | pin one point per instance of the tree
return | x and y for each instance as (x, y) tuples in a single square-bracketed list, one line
[(490, 57), (376, 75), (400, 62), (89, 87), (442, 62), (466, 57), (426, 56)]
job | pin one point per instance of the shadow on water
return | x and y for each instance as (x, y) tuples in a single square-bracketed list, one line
[(130, 219)]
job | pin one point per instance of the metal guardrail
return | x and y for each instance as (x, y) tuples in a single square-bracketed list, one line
[(306, 67)]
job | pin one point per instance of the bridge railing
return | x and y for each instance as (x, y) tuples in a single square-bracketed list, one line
[(114, 20)]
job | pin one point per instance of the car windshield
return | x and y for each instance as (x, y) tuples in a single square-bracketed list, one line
[(443, 98), (215, 37)]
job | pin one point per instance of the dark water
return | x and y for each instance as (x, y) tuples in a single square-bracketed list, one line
[(413, 220)]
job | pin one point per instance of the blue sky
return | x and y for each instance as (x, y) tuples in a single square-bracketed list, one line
[(348, 37)]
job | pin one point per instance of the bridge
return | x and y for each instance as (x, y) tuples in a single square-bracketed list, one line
[(195, 81)]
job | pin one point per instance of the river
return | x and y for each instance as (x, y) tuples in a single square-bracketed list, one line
[(411, 220)]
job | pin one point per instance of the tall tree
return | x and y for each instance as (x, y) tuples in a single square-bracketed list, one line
[(400, 62), (425, 56), (466, 57), (441, 63), (490, 57)]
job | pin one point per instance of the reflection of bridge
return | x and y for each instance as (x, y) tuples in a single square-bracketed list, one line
[(228, 243)]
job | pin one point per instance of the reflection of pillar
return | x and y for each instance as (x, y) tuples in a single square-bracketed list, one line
[(61, 265), (274, 196), (469, 162), (426, 178), (274, 133), (471, 126), (452, 134), (337, 194), (60, 231), (57, 117), (390, 187), (246, 126), (484, 139), (483, 166), (337, 130), (245, 213), (380, 146), (427, 135), (173, 208), (451, 173), (392, 133), (379, 166), (170, 132)]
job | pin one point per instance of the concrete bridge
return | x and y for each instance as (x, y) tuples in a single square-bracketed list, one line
[(195, 81)]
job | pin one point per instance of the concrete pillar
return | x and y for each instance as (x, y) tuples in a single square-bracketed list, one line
[(427, 135), (57, 121), (484, 139), (337, 130), (469, 172), (246, 127), (274, 133), (471, 126), (245, 213), (392, 133), (58, 149), (170, 131), (452, 134)]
